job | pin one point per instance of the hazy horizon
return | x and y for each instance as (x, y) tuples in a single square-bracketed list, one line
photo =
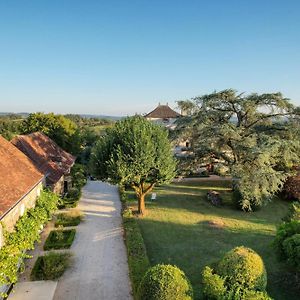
[(119, 58)]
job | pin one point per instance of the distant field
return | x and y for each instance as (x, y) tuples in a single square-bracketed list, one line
[(178, 230), (100, 129)]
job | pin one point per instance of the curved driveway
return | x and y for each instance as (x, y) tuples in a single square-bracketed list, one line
[(100, 269)]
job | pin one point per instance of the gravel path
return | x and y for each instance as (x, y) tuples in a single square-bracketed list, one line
[(100, 269)]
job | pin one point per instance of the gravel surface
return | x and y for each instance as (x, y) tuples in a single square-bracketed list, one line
[(99, 270)]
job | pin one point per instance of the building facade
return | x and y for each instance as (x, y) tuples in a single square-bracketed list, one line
[(20, 185)]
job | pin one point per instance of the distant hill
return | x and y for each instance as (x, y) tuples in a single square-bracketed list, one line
[(115, 118), (88, 116)]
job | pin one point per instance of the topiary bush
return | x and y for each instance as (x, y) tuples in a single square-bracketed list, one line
[(245, 267), (287, 243), (240, 274), (291, 249), (214, 285), (165, 282)]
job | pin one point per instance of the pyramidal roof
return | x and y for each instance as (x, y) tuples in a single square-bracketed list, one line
[(163, 112)]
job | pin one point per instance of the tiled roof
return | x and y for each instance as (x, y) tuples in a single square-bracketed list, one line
[(163, 112), (46, 155), (18, 175)]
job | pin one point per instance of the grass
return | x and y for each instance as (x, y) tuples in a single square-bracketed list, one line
[(60, 239), (71, 218), (182, 228), (50, 266)]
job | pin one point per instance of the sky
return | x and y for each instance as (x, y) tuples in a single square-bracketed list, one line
[(124, 57)]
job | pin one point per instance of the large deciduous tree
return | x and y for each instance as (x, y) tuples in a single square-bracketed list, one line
[(251, 134), (134, 152), (62, 130)]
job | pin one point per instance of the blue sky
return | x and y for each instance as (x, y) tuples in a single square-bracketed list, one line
[(122, 57)]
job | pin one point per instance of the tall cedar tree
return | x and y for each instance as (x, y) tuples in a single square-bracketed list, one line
[(137, 153), (251, 134)]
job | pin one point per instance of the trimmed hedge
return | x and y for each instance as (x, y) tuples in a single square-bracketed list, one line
[(50, 266), (68, 219), (287, 243), (60, 239), (138, 260), (165, 282)]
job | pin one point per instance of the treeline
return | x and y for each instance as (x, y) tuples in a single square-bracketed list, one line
[(73, 133)]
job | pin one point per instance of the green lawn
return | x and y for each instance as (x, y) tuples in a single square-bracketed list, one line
[(177, 230)]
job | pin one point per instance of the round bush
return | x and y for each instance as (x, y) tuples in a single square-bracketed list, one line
[(165, 282), (244, 267)]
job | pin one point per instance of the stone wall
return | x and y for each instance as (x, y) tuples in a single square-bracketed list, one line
[(58, 187), (10, 219)]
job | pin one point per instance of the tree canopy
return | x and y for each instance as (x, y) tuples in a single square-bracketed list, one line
[(134, 152), (62, 130), (251, 134)]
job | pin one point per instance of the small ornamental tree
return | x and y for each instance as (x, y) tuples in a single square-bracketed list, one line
[(134, 152)]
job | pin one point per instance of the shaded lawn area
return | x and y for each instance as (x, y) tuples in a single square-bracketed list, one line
[(177, 230)]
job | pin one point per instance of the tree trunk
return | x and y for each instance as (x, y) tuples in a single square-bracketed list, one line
[(141, 201)]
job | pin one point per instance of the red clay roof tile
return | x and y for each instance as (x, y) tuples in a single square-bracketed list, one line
[(18, 175), (46, 155)]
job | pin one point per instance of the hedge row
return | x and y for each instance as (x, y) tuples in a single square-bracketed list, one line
[(287, 240), (138, 260), (60, 239), (25, 234)]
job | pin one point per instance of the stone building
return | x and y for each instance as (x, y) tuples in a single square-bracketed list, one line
[(50, 159), (20, 185)]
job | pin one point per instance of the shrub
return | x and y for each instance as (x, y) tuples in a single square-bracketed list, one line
[(51, 266), (74, 193), (243, 266), (24, 236), (60, 239), (138, 260), (293, 213), (240, 274), (213, 284), (78, 176), (165, 282), (285, 231), (255, 295), (291, 249), (71, 218)]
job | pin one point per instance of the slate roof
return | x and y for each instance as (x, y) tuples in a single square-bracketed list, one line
[(47, 156), (163, 112), (18, 175)]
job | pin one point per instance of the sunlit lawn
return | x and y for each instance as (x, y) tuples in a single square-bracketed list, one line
[(177, 230)]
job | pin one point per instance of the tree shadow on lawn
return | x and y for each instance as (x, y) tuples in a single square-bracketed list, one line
[(193, 246), (172, 197)]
